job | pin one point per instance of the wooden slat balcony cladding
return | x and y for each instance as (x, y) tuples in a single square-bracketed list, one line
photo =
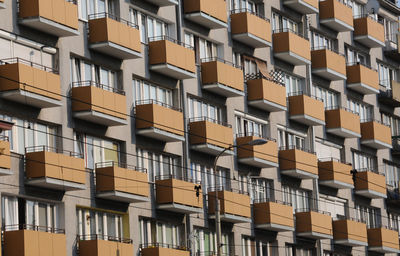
[(370, 184), (34, 243), (328, 64), (362, 79), (248, 23), (160, 251), (314, 224), (55, 165), (369, 32), (102, 247), (303, 6), (5, 157), (174, 191), (289, 43), (342, 123), (350, 232), (376, 135), (231, 203), (206, 132), (306, 109), (295, 159), (335, 174), (267, 152), (213, 8), (383, 240), (273, 216), (91, 98), (217, 72), (336, 15), (160, 117), (270, 95)]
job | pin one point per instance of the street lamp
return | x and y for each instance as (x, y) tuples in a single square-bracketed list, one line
[(255, 142)]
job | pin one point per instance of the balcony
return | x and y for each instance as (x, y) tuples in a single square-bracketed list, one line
[(383, 240), (291, 47), (266, 94), (159, 121), (376, 135), (55, 169), (336, 15), (342, 122), (370, 184), (350, 232), (392, 49), (55, 17), (261, 156), (328, 64), (303, 6), (5, 156), (314, 224), (99, 245), (250, 28), (98, 103), (222, 77), (369, 32), (208, 13), (362, 79), (178, 195), (29, 83), (114, 36), (159, 249), (235, 207), (32, 240), (389, 94), (121, 182), (210, 136), (335, 174), (274, 216), (171, 58), (298, 163), (308, 110)]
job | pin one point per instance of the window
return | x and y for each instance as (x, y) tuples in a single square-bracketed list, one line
[(358, 9), (294, 85), (163, 234), (261, 189), (205, 243), (145, 91), (293, 250), (353, 56), (281, 23), (334, 205), (250, 66), (369, 215), (394, 221), (392, 173), (198, 109), (96, 150), (386, 75), (321, 42), (250, 126), (207, 176), (392, 121), (36, 215), (330, 98), (362, 161), (207, 49), (391, 28), (148, 26), (100, 224), (290, 140), (88, 7), (298, 198), (236, 59), (248, 5), (363, 109)]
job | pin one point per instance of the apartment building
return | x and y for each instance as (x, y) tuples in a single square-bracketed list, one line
[(113, 112)]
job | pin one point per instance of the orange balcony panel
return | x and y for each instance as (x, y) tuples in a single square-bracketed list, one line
[(34, 243), (235, 207), (273, 216), (210, 137), (121, 184), (159, 122), (115, 38), (172, 59), (350, 233), (291, 48), (266, 95), (160, 251), (303, 6), (376, 135), (222, 78), (306, 110), (178, 196), (369, 32), (261, 156), (390, 97), (336, 15), (335, 174), (362, 79), (22, 82), (251, 29), (55, 170), (104, 247), (342, 123), (383, 240), (328, 64), (56, 17), (298, 163), (208, 13), (370, 184), (96, 105), (314, 225), (5, 158)]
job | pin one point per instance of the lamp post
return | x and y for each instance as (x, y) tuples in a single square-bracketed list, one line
[(255, 142)]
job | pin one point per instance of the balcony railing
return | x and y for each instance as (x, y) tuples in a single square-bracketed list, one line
[(121, 165), (204, 60), (311, 209), (28, 63), (52, 149), (304, 93), (104, 237), (208, 119), (33, 227), (113, 17), (344, 108), (291, 31), (98, 85), (163, 245), (240, 10), (297, 147), (168, 38), (223, 188), (177, 177), (267, 200), (275, 76), (157, 102)]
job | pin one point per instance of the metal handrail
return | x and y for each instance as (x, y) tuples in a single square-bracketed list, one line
[(371, 119), (28, 63), (291, 31), (341, 217), (104, 237), (157, 102), (333, 159), (327, 48), (367, 15), (98, 85), (121, 165), (33, 227), (311, 209), (269, 200), (176, 177), (344, 108), (255, 134), (304, 93), (355, 63), (374, 169), (204, 118), (204, 60), (52, 149), (240, 10), (296, 147), (168, 38), (163, 245), (222, 188), (101, 15)]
